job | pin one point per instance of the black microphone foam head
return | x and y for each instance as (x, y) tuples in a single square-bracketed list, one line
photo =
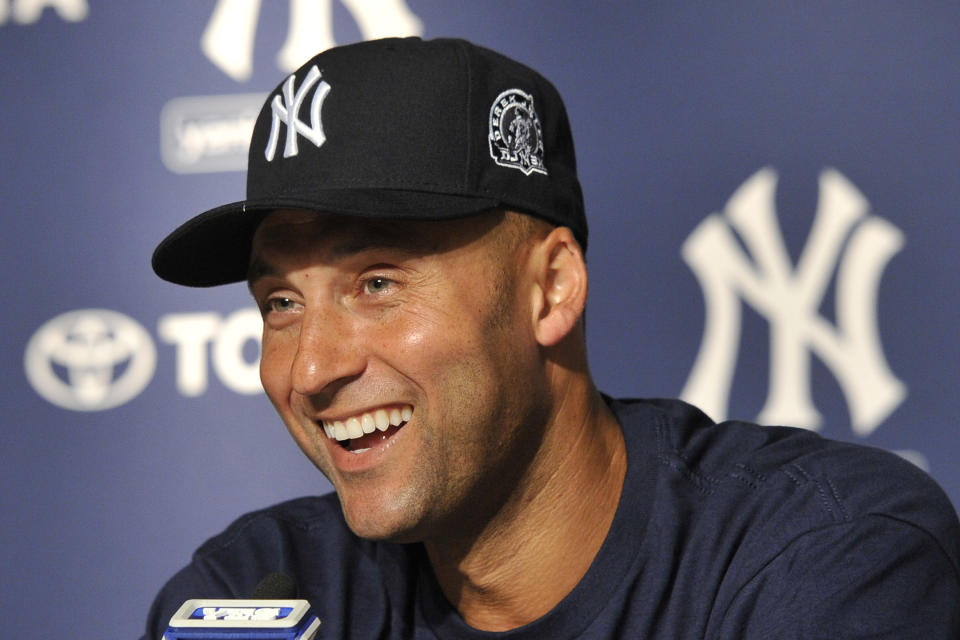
[(276, 586)]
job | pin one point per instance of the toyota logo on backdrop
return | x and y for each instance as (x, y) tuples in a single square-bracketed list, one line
[(90, 360), (97, 359)]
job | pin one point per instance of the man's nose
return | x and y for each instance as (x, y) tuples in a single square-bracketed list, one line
[(328, 352)]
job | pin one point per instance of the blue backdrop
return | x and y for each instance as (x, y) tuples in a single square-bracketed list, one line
[(807, 152)]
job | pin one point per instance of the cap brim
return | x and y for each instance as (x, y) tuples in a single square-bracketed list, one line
[(213, 248)]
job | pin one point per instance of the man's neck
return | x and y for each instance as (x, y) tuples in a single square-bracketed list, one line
[(543, 541)]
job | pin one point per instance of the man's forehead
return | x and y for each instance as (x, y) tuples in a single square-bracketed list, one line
[(284, 220), (299, 228), (304, 229), (307, 236), (304, 236)]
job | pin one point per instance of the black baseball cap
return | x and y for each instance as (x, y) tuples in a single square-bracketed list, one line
[(394, 128)]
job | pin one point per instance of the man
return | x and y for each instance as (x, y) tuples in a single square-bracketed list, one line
[(422, 284)]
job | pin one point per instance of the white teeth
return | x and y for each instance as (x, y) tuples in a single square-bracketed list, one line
[(353, 428), (367, 423), (356, 451)]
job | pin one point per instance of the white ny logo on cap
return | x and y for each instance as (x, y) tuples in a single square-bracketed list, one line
[(287, 110)]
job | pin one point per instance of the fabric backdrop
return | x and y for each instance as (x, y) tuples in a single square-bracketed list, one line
[(772, 192)]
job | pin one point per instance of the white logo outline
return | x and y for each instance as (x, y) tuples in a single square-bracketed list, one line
[(516, 142), (89, 345), (844, 239), (228, 38), (30, 11), (287, 110)]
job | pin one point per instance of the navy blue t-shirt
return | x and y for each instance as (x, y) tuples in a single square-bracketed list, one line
[(722, 531)]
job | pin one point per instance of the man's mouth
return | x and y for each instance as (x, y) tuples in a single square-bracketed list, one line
[(361, 432)]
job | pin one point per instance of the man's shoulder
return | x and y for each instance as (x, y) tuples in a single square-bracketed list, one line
[(264, 541), (306, 539), (785, 480), (778, 531), (305, 516)]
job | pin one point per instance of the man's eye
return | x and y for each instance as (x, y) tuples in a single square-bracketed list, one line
[(280, 305), (376, 285)]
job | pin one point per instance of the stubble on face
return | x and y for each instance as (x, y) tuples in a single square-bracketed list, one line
[(472, 376), (492, 429)]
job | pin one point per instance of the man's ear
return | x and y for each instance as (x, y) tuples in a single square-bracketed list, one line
[(561, 294)]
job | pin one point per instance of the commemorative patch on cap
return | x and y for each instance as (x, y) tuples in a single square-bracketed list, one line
[(516, 138)]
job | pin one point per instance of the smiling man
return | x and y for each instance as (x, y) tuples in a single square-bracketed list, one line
[(413, 235)]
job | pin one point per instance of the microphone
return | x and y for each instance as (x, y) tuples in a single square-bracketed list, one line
[(271, 613), (276, 586)]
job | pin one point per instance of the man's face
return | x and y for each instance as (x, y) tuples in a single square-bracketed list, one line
[(415, 336)]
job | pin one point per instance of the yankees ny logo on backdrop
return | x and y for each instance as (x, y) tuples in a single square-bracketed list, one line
[(228, 39), (29, 11), (789, 299), (200, 134)]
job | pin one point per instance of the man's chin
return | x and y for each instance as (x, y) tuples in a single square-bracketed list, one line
[(382, 523)]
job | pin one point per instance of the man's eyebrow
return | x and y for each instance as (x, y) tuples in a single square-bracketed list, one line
[(259, 268)]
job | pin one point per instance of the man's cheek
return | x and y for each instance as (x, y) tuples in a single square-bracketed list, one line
[(276, 385), (408, 336)]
